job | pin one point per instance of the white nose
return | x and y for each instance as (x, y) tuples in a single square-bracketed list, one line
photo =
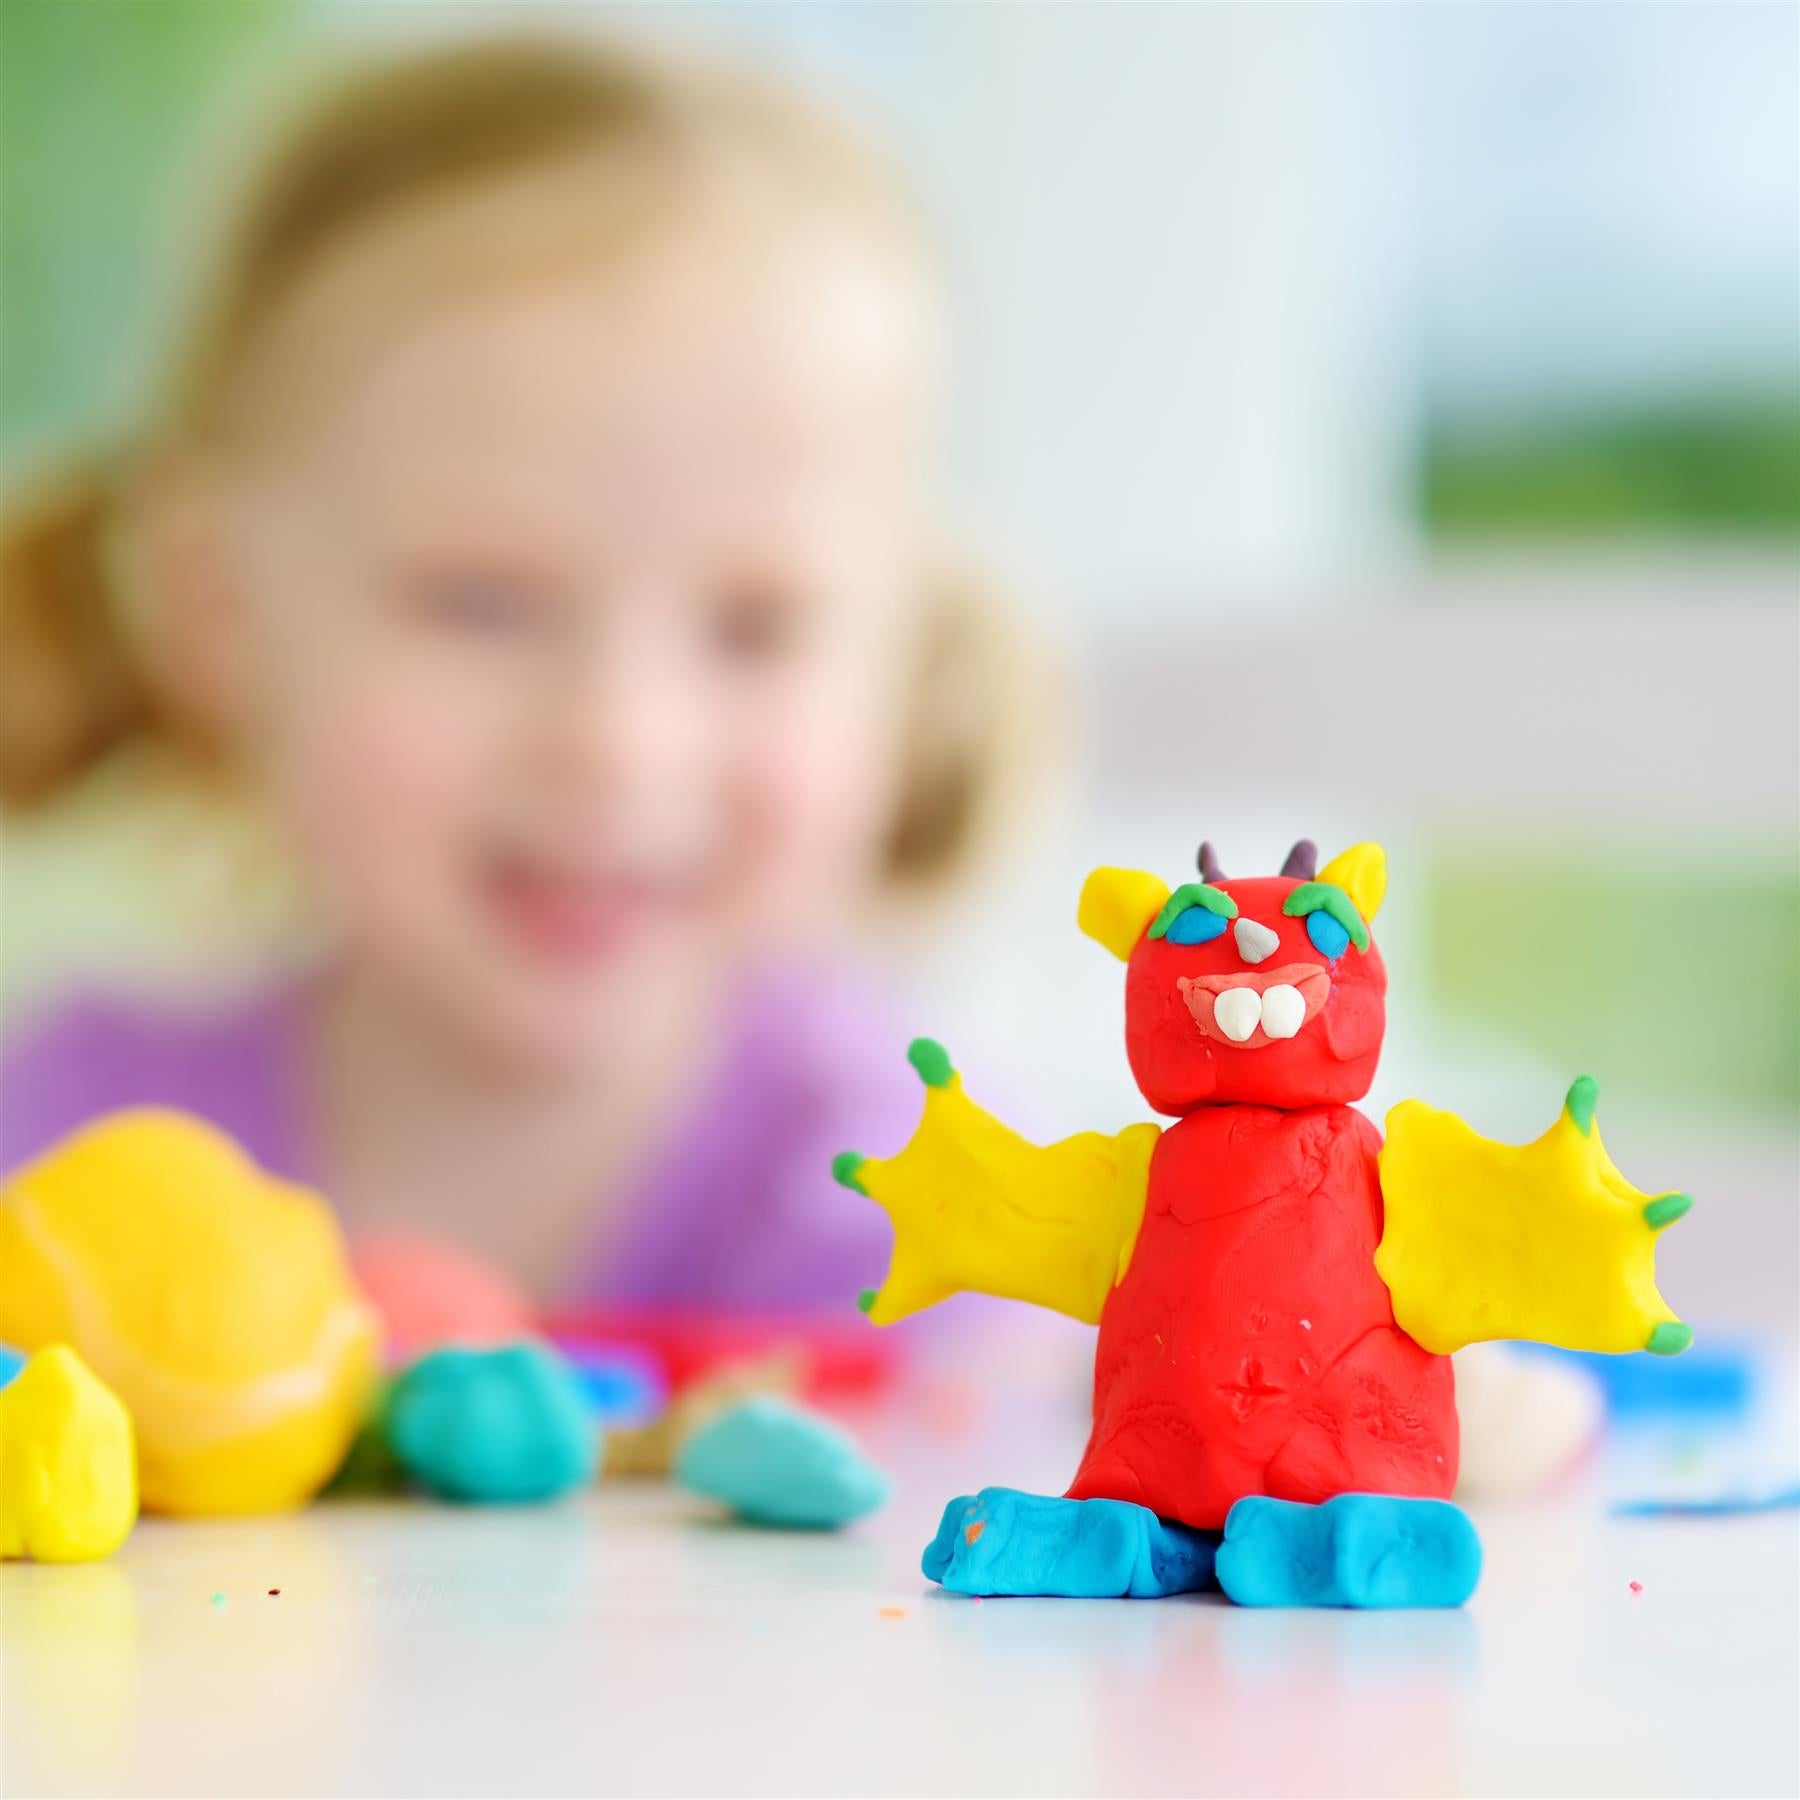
[(1254, 941)]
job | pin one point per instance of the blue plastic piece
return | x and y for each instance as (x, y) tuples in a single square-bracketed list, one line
[(11, 1362), (1362, 1550), (1196, 925), (1718, 1506), (1001, 1541), (1718, 1377), (1329, 938), (774, 1463), (622, 1386), (493, 1426)]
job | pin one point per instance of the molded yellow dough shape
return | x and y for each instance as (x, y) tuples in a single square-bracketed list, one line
[(1545, 1240), (977, 1208), (213, 1299), (68, 1471)]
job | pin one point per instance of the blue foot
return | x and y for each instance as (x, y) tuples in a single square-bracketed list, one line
[(1368, 1550), (1005, 1542)]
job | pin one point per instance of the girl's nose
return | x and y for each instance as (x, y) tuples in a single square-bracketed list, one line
[(624, 714), (1254, 941)]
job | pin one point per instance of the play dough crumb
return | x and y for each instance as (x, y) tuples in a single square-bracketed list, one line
[(775, 1463), (506, 1425), (68, 1468)]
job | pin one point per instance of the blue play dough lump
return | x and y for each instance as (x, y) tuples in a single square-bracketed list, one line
[(1001, 1541), (774, 1463), (1363, 1550), (11, 1362), (499, 1426), (621, 1386)]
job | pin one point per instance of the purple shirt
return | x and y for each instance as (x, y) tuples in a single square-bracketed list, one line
[(736, 1208)]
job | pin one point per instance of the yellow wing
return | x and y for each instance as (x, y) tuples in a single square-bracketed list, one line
[(978, 1209), (1545, 1240)]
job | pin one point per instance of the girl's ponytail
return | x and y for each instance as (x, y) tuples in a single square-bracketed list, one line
[(70, 688), (978, 733)]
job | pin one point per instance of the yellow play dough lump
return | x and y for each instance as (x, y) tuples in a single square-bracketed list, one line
[(68, 1475), (213, 1299)]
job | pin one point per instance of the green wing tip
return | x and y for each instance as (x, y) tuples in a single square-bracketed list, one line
[(865, 1301), (1670, 1338), (1584, 1096), (843, 1170), (1666, 1209), (931, 1060)]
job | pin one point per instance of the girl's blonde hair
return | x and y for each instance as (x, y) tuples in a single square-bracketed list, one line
[(398, 136)]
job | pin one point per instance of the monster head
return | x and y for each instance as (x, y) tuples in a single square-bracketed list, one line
[(1268, 991)]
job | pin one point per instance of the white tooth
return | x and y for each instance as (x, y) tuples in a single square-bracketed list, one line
[(1254, 941), (1283, 1010), (1236, 1011)]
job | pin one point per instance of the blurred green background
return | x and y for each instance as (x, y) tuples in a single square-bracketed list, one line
[(98, 105)]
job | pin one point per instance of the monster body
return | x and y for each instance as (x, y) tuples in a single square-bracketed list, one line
[(1251, 1346), (1263, 1211)]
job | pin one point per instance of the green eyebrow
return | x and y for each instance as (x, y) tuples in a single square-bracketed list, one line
[(1317, 896), (1196, 893)]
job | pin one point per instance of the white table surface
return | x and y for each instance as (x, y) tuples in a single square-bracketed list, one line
[(625, 1644)]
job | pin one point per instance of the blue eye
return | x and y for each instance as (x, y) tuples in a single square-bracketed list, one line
[(1329, 938), (1197, 925)]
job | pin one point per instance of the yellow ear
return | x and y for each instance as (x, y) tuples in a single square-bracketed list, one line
[(1117, 906), (1361, 871)]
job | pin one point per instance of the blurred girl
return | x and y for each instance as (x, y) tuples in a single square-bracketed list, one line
[(536, 522)]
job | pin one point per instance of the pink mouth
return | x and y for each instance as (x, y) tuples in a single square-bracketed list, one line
[(569, 922), (1236, 1009)]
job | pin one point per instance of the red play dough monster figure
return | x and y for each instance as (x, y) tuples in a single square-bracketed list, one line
[(1276, 1293)]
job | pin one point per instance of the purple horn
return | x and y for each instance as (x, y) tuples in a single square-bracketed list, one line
[(1210, 872), (1302, 861)]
